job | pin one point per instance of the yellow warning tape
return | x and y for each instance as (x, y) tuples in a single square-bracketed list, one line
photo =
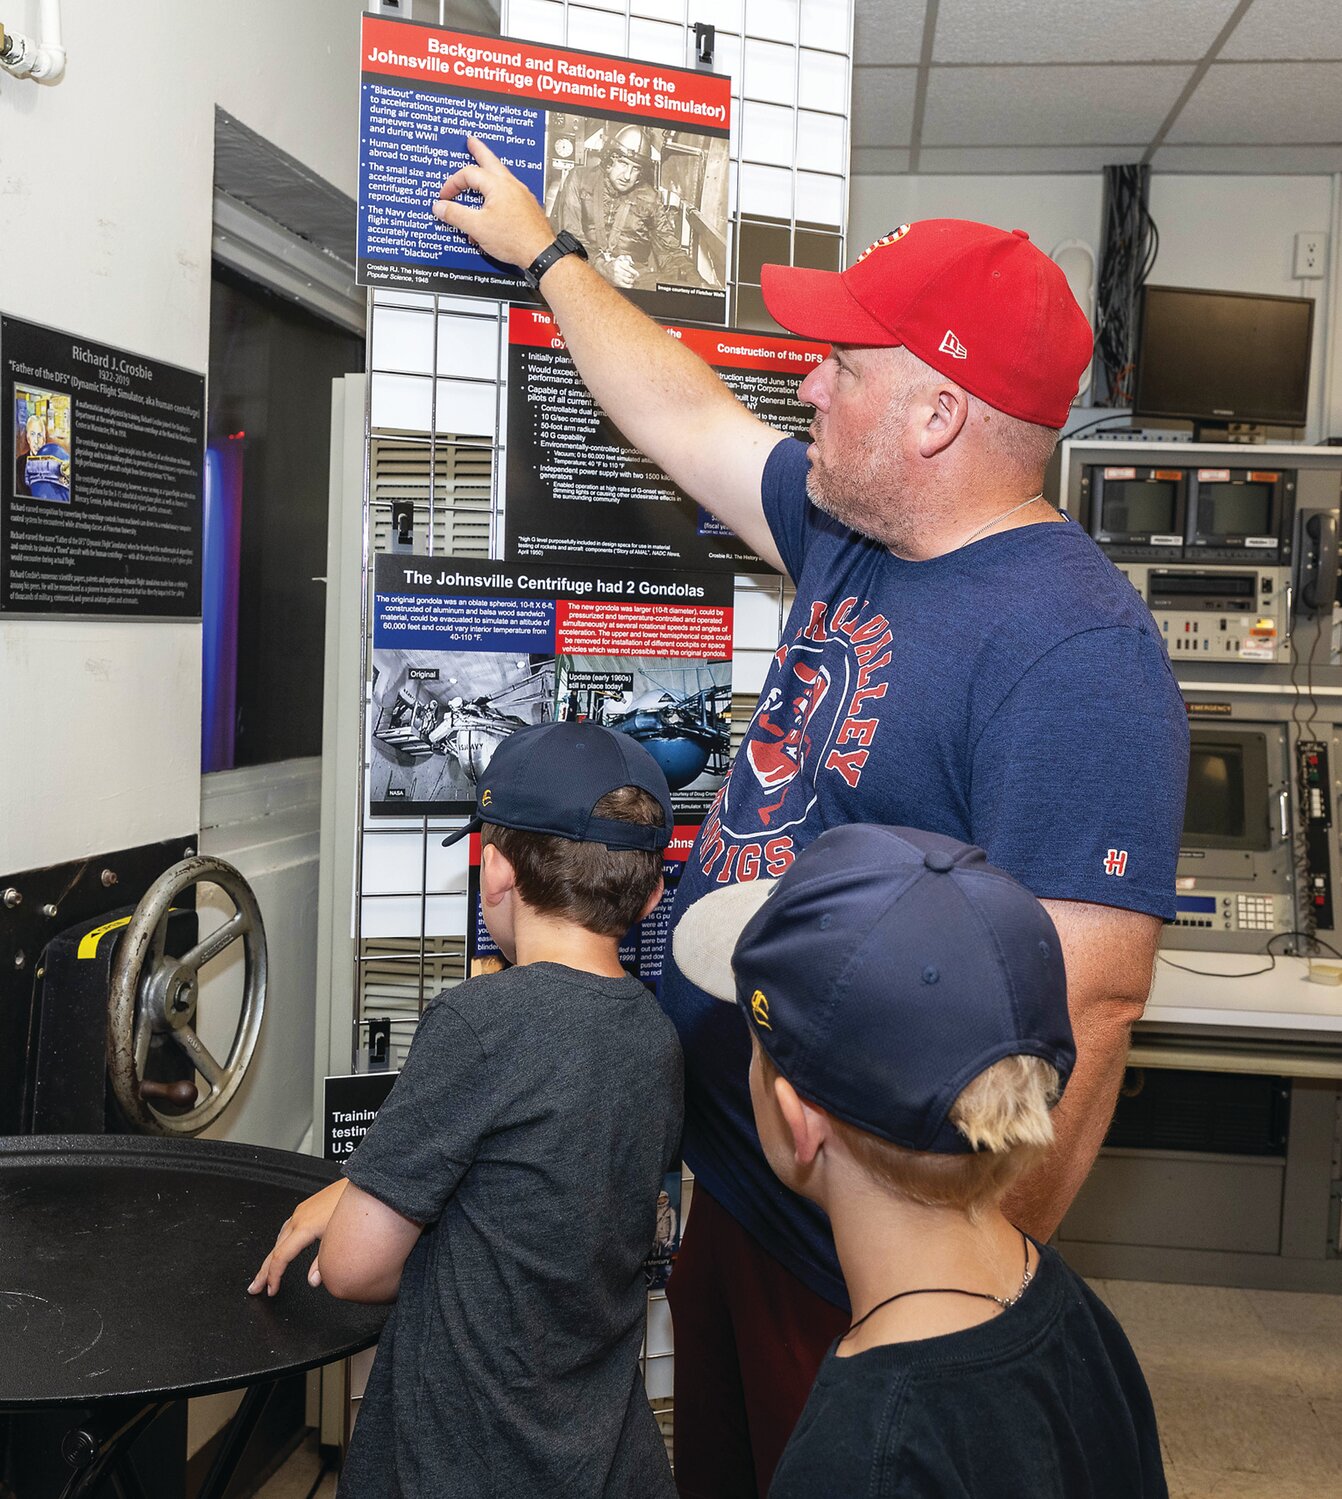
[(88, 943)]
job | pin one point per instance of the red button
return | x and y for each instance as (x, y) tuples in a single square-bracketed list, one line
[(1020, 233)]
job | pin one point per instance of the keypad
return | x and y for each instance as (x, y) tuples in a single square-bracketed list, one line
[(1255, 913)]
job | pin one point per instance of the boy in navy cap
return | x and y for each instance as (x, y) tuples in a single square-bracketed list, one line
[(506, 1194), (908, 1013)]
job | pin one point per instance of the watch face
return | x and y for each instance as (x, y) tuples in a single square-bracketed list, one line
[(564, 147)]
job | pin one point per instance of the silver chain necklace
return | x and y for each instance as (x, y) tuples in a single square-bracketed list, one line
[(1003, 516)]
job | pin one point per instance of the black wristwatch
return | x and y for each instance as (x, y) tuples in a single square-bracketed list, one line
[(564, 244)]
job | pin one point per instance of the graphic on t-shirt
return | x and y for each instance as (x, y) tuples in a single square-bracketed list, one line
[(814, 722)]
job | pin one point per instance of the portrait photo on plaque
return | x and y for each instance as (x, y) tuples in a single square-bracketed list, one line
[(42, 446)]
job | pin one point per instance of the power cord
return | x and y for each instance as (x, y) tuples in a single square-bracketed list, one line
[(1207, 973)]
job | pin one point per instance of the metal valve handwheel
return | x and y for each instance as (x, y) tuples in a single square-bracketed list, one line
[(154, 994)]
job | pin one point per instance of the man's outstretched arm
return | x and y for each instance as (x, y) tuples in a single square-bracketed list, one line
[(1109, 955), (663, 398)]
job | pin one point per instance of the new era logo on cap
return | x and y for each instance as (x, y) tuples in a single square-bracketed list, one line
[(952, 346)]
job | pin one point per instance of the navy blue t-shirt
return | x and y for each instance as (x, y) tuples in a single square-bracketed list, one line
[(1046, 1399), (1013, 694)]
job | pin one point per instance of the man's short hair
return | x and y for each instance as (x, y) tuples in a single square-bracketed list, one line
[(1004, 1113), (599, 888)]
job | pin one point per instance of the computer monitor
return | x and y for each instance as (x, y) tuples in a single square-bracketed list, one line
[(1227, 805), (1214, 356), (1137, 512)]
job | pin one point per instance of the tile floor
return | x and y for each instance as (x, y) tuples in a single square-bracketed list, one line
[(1247, 1387)]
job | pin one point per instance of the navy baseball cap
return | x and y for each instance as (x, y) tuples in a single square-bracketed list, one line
[(548, 779), (883, 972)]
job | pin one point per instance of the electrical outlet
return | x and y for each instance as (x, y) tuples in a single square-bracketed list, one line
[(1311, 250)]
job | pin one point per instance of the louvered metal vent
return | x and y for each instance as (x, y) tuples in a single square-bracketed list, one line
[(463, 486), (390, 975)]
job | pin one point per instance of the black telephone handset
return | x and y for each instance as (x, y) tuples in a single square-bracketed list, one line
[(1318, 588)]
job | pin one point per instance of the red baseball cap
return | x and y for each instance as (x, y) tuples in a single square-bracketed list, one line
[(982, 306)]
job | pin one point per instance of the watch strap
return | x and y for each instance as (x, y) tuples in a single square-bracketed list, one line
[(564, 244)]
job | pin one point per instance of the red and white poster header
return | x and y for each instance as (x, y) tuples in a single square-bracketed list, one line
[(559, 78), (719, 347)]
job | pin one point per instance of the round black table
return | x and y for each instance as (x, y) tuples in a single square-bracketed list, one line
[(124, 1265)]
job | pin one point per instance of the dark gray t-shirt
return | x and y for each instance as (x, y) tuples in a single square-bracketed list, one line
[(530, 1128)]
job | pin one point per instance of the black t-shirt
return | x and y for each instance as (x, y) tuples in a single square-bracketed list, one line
[(530, 1128), (1046, 1399)]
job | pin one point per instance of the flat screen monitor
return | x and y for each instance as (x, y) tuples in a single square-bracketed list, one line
[(1214, 356), (1227, 791), (1141, 506), (1236, 509)]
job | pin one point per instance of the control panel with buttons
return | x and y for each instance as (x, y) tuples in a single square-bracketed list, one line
[(1234, 911), (1220, 614)]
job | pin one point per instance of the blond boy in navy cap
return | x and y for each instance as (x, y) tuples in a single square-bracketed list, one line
[(907, 1009)]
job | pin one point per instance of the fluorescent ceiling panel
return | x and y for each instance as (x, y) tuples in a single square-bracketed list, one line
[(1062, 106), (1068, 31)]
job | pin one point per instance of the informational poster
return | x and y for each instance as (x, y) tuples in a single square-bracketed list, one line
[(101, 478), (642, 950), (577, 489), (630, 157), (466, 652), (349, 1106)]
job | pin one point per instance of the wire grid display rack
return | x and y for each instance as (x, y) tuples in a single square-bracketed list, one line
[(435, 437)]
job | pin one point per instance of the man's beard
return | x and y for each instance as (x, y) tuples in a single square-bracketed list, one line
[(864, 488)]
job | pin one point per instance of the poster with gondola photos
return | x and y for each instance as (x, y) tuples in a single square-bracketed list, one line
[(467, 651), (577, 489)]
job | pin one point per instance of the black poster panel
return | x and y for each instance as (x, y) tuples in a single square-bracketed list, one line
[(101, 479), (349, 1106), (578, 491)]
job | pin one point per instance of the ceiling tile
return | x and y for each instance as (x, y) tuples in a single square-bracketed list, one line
[(994, 160), (878, 161), (1249, 160), (1035, 31), (1055, 106), (888, 33), (1281, 103), (1287, 28), (883, 106)]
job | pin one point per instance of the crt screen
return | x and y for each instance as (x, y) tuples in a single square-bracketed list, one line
[(1235, 509), (1139, 506), (1215, 792)]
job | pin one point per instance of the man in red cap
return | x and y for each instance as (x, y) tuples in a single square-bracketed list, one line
[(960, 657)]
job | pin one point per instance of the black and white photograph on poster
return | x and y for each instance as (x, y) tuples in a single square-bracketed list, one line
[(679, 711), (466, 652), (631, 157), (102, 496), (576, 488), (648, 204), (438, 717)]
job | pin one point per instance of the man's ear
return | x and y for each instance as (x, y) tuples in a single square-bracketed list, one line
[(652, 900), (497, 875), (947, 415), (808, 1125)]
